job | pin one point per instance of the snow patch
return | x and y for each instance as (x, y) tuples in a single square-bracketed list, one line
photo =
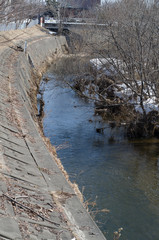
[(109, 67)]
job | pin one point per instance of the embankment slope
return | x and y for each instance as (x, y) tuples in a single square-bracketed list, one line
[(36, 199)]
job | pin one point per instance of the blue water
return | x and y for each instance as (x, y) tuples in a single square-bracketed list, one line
[(119, 175)]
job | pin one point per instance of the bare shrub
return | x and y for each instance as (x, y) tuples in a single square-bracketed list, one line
[(126, 44)]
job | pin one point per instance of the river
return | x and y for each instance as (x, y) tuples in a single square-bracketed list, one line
[(112, 172)]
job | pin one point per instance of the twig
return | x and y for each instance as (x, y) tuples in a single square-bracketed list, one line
[(29, 209), (20, 197)]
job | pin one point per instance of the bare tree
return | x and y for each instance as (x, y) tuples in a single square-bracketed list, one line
[(127, 49), (53, 6), (132, 38), (18, 11)]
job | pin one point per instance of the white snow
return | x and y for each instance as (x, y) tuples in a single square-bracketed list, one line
[(98, 62), (107, 65), (149, 105), (52, 33)]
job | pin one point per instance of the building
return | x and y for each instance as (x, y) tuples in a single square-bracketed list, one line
[(85, 4), (74, 8)]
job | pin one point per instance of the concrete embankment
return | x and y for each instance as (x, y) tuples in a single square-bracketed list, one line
[(36, 199)]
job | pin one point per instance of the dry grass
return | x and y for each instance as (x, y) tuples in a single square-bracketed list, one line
[(91, 206), (73, 64)]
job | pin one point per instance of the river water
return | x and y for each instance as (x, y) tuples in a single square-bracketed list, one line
[(116, 174)]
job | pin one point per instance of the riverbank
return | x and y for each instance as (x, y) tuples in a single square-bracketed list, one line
[(115, 174), (37, 201)]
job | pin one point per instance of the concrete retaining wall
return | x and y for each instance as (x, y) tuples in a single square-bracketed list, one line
[(39, 54), (37, 201), (13, 25)]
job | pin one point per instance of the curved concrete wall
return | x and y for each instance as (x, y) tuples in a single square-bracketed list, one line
[(36, 198)]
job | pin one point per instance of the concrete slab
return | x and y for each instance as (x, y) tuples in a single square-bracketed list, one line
[(9, 229), (36, 199)]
